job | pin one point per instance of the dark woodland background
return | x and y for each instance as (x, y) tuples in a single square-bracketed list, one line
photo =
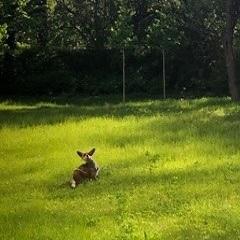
[(52, 47)]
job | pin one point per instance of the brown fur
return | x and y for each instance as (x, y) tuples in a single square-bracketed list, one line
[(87, 171)]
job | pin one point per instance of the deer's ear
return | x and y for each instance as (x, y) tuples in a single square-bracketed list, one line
[(91, 152), (80, 154)]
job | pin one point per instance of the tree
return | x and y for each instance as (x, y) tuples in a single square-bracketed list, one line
[(11, 21), (39, 19), (232, 15), (10, 14), (122, 34), (164, 28), (90, 19), (142, 17)]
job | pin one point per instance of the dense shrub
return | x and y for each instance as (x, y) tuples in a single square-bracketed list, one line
[(50, 83), (92, 72)]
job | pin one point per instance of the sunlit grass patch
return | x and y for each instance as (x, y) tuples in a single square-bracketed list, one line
[(170, 170)]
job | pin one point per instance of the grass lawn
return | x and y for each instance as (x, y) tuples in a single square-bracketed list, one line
[(170, 170)]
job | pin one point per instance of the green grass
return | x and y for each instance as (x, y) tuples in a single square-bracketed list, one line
[(170, 170)]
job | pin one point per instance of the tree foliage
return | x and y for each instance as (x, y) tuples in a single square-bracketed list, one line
[(190, 31)]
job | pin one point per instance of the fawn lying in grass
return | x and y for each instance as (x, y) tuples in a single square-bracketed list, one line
[(87, 171)]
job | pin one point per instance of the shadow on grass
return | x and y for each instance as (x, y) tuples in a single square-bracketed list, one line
[(40, 113)]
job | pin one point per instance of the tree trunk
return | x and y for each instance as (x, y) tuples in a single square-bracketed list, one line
[(231, 21)]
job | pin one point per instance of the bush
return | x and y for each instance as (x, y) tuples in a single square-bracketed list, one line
[(95, 72), (50, 83)]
